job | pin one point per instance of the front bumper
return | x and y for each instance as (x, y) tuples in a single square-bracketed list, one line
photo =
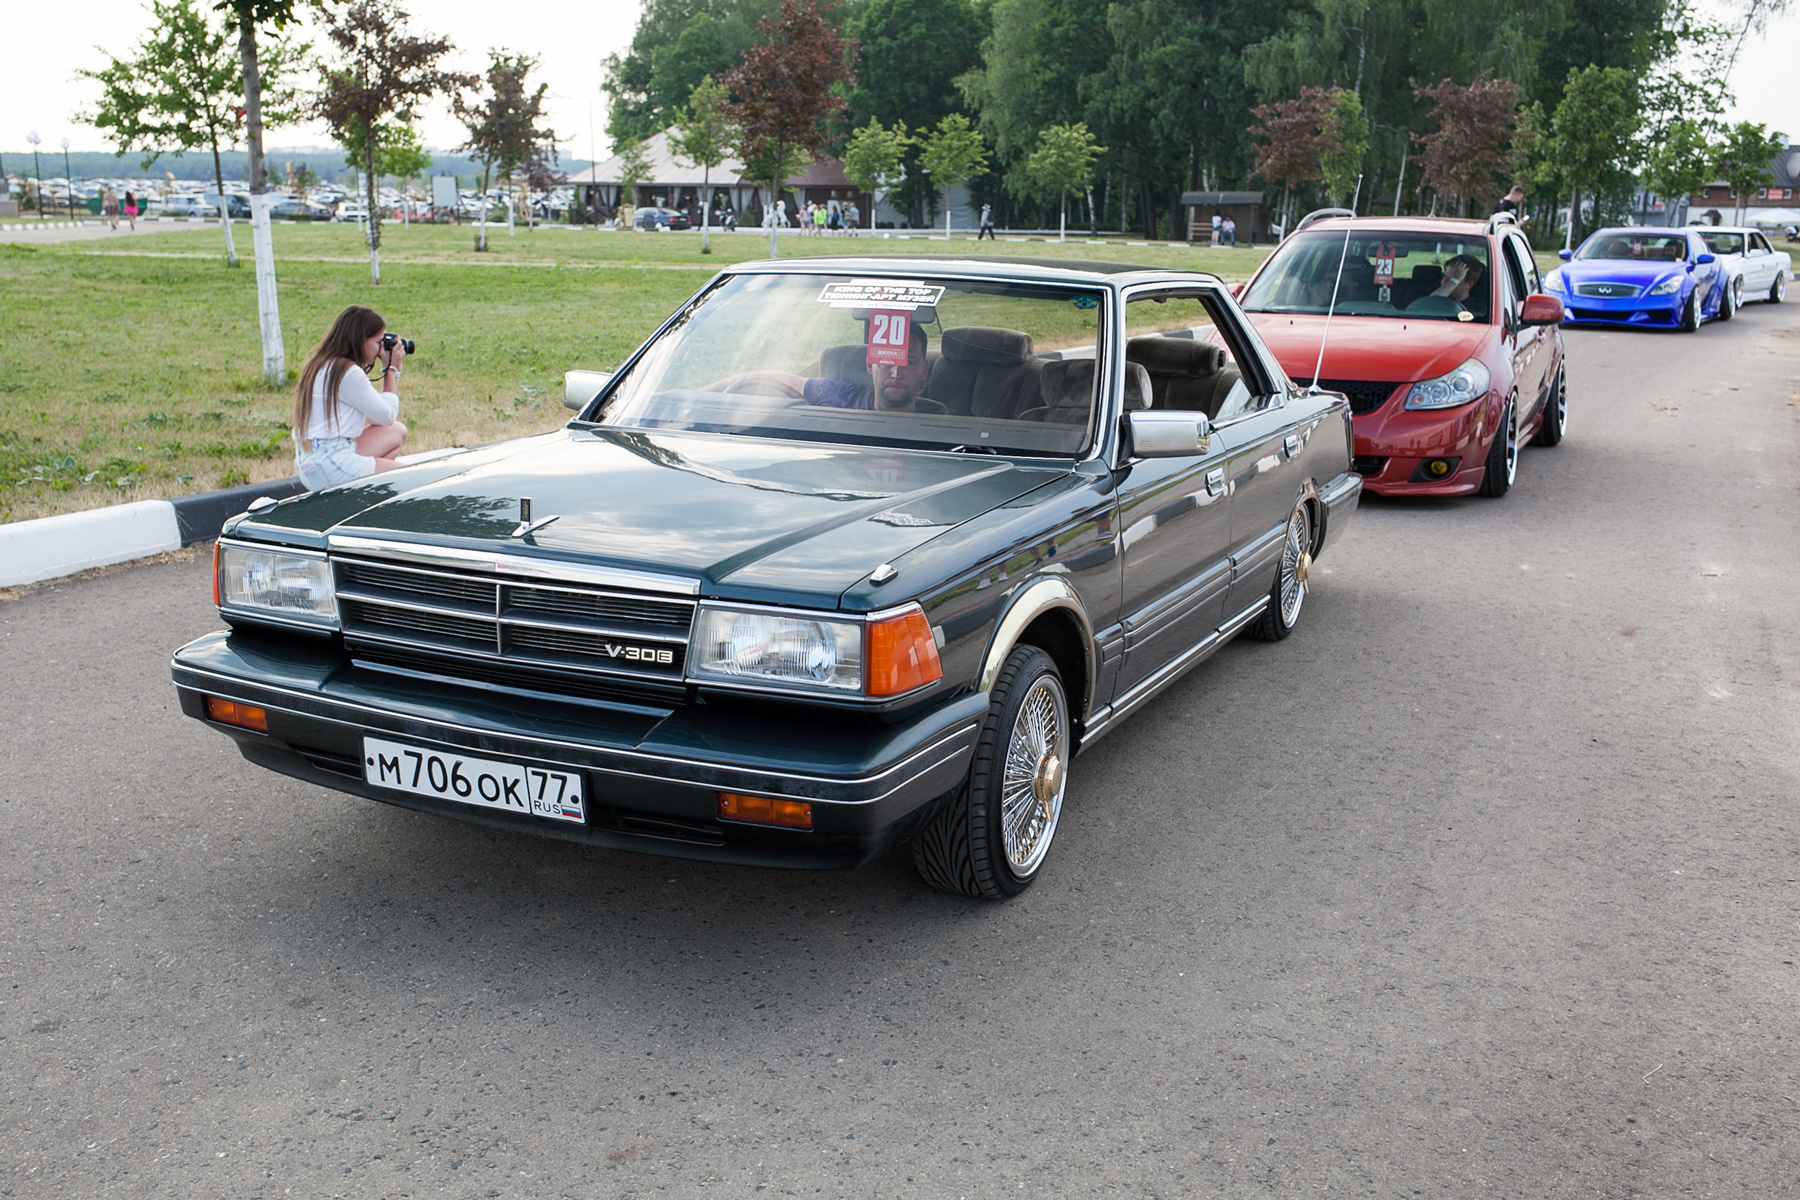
[(652, 774), (1652, 312), (1393, 441)]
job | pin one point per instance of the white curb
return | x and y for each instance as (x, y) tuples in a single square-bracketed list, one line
[(50, 547)]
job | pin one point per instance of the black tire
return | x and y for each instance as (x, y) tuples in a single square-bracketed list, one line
[(1778, 289), (1728, 303), (1556, 412), (1503, 456), (963, 849), (1287, 595), (1690, 314)]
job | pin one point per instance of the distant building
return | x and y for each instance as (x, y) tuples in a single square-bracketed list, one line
[(1246, 208), (1774, 204), (673, 182)]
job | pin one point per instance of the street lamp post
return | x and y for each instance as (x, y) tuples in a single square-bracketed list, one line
[(34, 139), (69, 178)]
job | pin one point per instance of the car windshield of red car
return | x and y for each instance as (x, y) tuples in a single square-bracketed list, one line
[(1384, 273), (1635, 247), (932, 363)]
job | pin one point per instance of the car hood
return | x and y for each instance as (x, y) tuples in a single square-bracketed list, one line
[(1373, 348), (1620, 270), (750, 518)]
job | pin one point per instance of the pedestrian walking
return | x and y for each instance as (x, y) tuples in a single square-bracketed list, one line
[(987, 224), (852, 219), (1509, 203), (109, 204), (1218, 229), (131, 209)]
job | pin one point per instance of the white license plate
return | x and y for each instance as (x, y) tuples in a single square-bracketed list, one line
[(482, 782)]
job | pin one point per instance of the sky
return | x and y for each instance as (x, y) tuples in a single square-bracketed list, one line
[(39, 90)]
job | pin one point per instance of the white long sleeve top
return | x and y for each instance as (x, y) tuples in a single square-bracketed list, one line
[(360, 404)]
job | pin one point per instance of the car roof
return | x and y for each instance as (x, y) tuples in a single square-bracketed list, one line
[(979, 266), (1651, 229), (1460, 225)]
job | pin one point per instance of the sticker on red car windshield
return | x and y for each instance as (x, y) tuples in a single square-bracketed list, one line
[(888, 332), (1384, 267)]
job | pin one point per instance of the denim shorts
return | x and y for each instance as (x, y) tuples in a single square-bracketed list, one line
[(332, 460)]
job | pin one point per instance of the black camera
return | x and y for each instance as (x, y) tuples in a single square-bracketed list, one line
[(389, 340)]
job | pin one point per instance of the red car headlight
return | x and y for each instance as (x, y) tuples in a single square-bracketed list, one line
[(1465, 385)]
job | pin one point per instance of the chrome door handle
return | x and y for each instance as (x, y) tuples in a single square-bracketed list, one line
[(1292, 442), (1215, 481)]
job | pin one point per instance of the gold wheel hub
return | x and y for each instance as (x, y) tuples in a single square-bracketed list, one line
[(1047, 781), (1303, 568)]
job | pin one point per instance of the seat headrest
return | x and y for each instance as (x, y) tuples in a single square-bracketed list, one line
[(983, 344), (1175, 356), (1429, 274), (1138, 391), (1068, 383), (848, 362)]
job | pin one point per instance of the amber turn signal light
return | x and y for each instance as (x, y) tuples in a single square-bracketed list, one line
[(231, 712), (765, 810), (902, 654), (215, 574)]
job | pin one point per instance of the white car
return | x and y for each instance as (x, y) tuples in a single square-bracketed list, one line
[(1756, 269)]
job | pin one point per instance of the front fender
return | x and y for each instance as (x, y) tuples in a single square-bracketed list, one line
[(1042, 595)]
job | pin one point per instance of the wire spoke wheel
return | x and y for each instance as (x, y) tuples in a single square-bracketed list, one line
[(1296, 567), (1031, 788)]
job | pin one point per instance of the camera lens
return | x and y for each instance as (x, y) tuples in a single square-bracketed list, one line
[(407, 343)]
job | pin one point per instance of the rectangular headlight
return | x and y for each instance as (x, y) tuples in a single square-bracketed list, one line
[(736, 645), (279, 585)]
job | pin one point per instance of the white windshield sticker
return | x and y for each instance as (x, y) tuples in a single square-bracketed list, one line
[(881, 293)]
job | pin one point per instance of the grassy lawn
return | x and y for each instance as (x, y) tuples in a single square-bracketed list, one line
[(131, 369)]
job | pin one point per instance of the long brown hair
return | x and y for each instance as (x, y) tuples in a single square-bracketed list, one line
[(338, 353)]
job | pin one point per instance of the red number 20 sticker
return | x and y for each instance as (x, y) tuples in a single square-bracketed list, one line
[(888, 330)]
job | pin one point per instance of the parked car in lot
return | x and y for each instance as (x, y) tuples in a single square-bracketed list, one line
[(660, 218), (763, 602), (1756, 269), (238, 206), (1437, 331), (298, 210), (1646, 276)]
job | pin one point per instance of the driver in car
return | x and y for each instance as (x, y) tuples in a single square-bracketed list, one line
[(1461, 274), (897, 388)]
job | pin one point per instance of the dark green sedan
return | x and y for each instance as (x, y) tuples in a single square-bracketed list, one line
[(852, 552)]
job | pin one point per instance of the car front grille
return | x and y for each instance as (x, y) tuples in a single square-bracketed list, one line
[(1368, 464), (546, 629), (1365, 395), (1608, 291)]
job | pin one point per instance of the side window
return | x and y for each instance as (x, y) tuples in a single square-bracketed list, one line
[(1760, 244), (1513, 279), (1193, 355), (1527, 263)]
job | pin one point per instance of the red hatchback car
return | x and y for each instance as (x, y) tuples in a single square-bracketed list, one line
[(1440, 335)]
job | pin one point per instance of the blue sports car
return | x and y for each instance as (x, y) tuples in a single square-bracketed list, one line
[(1655, 278)]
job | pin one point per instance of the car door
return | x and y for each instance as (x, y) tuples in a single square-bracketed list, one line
[(1528, 345), (1264, 439), (1174, 519), (1759, 266)]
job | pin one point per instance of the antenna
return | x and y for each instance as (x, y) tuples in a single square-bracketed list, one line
[(1335, 283)]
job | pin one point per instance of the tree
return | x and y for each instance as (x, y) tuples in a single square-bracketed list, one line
[(634, 168), (909, 55), (1343, 142), (677, 44), (1291, 147), (1470, 150), (383, 74), (703, 136), (875, 157), (1064, 161), (1681, 162), (1745, 152), (503, 122), (952, 154), (182, 90), (786, 90), (246, 18), (1594, 135)]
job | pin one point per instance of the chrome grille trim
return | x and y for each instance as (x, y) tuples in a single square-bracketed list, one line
[(480, 562), (1608, 291), (590, 632)]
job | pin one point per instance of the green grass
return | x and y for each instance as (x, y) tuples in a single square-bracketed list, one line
[(131, 369)]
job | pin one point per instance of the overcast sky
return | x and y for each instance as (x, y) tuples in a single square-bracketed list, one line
[(38, 88)]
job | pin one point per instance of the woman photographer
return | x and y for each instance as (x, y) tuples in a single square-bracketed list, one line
[(344, 428)]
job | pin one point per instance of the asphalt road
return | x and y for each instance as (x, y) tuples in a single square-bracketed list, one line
[(1482, 884)]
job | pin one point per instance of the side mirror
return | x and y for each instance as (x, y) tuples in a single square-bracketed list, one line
[(1161, 433), (1565, 255), (1540, 309), (581, 386), (1700, 260)]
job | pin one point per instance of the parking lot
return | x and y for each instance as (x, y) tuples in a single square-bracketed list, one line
[(1483, 883)]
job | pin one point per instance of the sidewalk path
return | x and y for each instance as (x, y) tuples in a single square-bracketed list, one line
[(91, 229)]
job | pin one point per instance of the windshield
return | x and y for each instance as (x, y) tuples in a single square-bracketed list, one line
[(908, 361), (1385, 274), (1635, 247), (1724, 243)]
